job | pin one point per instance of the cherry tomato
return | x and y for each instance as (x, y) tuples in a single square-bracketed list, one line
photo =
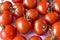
[(18, 10), (5, 17), (56, 29), (42, 7), (7, 32), (32, 14), (17, 1), (29, 3), (19, 38), (40, 27), (35, 38), (56, 6), (23, 26), (6, 6), (51, 17)]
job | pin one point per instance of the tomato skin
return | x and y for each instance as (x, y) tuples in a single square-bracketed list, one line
[(19, 38), (19, 10), (58, 38), (56, 6), (32, 14), (42, 7), (9, 32), (45, 0), (35, 38), (48, 38), (23, 26), (38, 27), (5, 18), (6, 6), (17, 1), (29, 3), (56, 0), (0, 7), (51, 17), (56, 29)]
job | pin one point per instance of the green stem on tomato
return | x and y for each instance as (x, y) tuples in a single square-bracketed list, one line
[(50, 6), (13, 9), (50, 1), (53, 36), (50, 9), (44, 28), (26, 17), (0, 12), (3, 27)]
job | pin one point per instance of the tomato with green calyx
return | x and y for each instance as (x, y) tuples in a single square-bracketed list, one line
[(23, 26), (32, 14), (7, 32), (6, 17), (6, 6), (40, 27), (42, 7), (18, 10), (51, 17)]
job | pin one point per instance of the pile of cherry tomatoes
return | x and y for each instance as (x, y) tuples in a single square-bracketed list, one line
[(24, 16)]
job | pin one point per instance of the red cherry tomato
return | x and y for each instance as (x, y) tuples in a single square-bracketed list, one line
[(29, 3), (5, 17), (6, 6), (32, 14), (19, 38), (51, 17), (7, 32), (23, 26), (56, 6), (40, 27), (35, 38), (17, 1), (56, 29), (18, 10), (42, 7)]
